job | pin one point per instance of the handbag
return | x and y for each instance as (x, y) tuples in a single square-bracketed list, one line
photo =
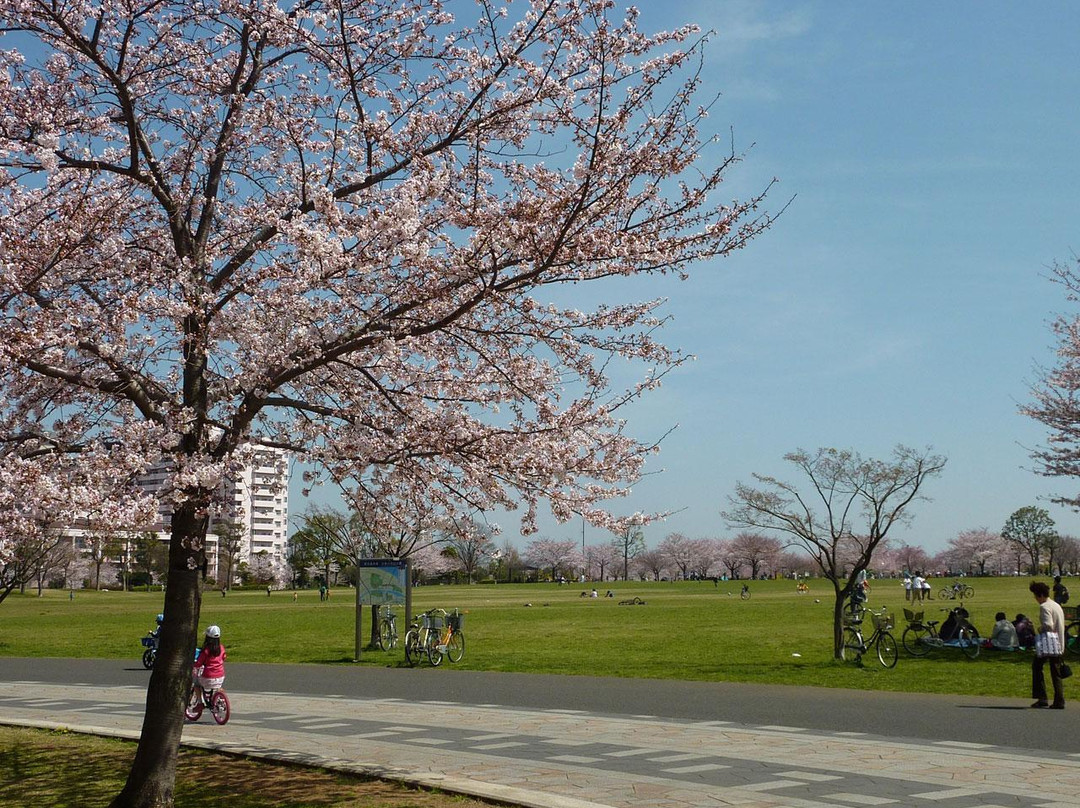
[(1066, 671), (1048, 644)]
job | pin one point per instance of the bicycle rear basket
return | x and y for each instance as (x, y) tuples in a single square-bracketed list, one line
[(456, 620), (883, 621)]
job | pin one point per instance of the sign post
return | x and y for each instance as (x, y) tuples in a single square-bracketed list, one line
[(379, 581)]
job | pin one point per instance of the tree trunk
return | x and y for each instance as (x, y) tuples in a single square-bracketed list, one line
[(838, 621), (375, 613), (152, 778)]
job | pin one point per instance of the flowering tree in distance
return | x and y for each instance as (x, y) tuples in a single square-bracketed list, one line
[(353, 230), (841, 514)]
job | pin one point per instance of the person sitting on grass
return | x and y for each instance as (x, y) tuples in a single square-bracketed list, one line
[(1004, 637), (1025, 631)]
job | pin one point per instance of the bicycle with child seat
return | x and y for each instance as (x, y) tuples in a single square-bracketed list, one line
[(198, 700), (921, 636), (881, 641), (388, 633)]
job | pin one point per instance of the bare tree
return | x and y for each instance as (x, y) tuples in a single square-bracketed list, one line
[(821, 518), (230, 542), (471, 544), (629, 543)]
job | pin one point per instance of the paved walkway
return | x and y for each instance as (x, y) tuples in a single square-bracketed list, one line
[(577, 759)]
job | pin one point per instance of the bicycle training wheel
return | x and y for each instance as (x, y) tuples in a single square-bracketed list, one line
[(193, 709), (852, 647), (886, 649), (914, 640), (148, 658), (412, 647), (219, 707), (1072, 638), (969, 643), (455, 647)]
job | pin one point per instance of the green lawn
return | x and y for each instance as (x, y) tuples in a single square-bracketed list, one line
[(686, 630)]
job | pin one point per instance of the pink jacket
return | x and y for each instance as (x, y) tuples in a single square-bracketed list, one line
[(213, 666)]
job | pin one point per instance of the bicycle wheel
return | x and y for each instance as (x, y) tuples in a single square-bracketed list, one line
[(1072, 638), (387, 639), (969, 643), (412, 647), (219, 707), (148, 658), (914, 640), (455, 646), (193, 709), (969, 592), (434, 655), (852, 647), (946, 593), (745, 594), (887, 653)]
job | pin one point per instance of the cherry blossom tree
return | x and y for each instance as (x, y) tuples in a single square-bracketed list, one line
[(973, 549), (679, 550), (756, 551), (706, 556), (600, 559), (554, 555), (651, 564), (355, 230), (841, 515)]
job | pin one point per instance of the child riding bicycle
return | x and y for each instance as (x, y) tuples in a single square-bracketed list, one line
[(209, 669)]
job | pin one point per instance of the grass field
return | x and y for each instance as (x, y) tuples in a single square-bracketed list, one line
[(686, 630)]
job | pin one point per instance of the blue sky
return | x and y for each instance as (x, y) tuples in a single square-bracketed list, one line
[(933, 153)]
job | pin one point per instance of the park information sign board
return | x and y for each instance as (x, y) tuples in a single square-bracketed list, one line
[(381, 581)]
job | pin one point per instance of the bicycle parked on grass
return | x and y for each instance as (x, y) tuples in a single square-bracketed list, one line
[(388, 635), (1072, 630), (958, 591), (921, 637), (434, 634), (882, 640)]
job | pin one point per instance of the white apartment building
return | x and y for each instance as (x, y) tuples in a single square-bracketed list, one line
[(256, 498)]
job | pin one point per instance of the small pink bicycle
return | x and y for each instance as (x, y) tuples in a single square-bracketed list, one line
[(199, 699)]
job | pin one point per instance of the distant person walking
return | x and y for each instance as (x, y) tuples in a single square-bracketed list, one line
[(1049, 647)]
